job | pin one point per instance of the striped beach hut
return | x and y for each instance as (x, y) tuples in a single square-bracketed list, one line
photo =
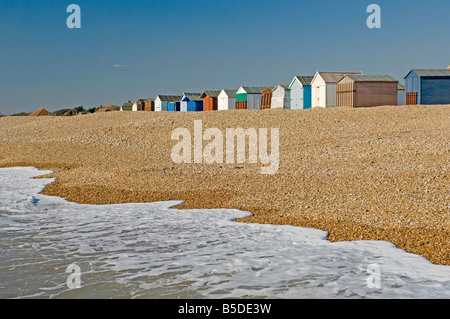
[(266, 98), (249, 97), (210, 100), (226, 100), (191, 102), (301, 92), (323, 88), (281, 97), (428, 86), (355, 90), (162, 102)]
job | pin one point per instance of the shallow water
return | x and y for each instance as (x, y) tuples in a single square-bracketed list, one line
[(153, 251)]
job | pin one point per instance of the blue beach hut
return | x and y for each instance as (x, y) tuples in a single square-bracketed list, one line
[(191, 102), (173, 106), (428, 86)]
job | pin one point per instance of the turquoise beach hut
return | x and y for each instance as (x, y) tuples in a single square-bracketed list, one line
[(301, 92)]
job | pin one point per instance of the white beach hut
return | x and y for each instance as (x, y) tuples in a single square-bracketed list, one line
[(401, 95), (323, 88), (281, 97), (226, 100)]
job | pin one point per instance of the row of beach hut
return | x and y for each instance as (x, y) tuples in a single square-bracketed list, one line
[(324, 89)]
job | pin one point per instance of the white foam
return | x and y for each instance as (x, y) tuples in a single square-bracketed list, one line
[(153, 251)]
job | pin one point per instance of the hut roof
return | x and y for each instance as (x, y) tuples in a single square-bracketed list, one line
[(230, 93), (286, 87), (169, 98), (304, 80), (334, 77), (193, 96), (401, 87), (268, 89), (431, 72), (371, 78), (210, 94), (254, 89), (40, 112)]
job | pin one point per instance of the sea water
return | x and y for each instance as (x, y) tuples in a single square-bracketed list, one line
[(156, 251)]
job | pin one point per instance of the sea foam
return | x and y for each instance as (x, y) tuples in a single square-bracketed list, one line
[(156, 251)]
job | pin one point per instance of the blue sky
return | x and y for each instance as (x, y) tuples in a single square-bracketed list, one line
[(127, 50)]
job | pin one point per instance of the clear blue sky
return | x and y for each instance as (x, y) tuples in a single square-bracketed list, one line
[(138, 49)]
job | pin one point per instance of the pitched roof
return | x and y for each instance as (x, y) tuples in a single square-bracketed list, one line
[(192, 96), (168, 98), (210, 94), (254, 89), (229, 93), (371, 78), (40, 112), (304, 80), (431, 72), (128, 104), (401, 87), (268, 89), (334, 77), (286, 87)]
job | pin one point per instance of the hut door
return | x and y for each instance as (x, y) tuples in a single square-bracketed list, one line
[(411, 98), (318, 95)]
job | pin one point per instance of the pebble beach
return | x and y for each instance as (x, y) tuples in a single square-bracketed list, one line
[(358, 174)]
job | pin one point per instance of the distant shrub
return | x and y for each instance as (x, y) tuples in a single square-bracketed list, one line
[(61, 112), (21, 114)]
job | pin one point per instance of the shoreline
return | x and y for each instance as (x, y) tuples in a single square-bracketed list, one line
[(397, 192)]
